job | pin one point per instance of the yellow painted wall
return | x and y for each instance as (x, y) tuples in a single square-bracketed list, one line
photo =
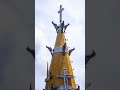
[(58, 63)]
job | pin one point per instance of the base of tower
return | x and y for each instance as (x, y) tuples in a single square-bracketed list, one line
[(62, 88)]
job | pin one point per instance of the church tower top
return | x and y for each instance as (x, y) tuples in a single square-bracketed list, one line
[(60, 74), (61, 27)]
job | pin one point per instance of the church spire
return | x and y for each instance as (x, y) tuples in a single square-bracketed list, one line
[(60, 75)]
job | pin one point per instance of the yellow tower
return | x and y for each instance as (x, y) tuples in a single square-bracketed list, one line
[(60, 73)]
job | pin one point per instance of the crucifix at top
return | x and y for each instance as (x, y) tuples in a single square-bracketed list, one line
[(62, 26), (60, 11), (65, 76)]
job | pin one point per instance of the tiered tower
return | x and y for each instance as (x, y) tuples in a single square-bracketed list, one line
[(60, 73)]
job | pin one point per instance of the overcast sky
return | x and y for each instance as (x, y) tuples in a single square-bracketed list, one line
[(45, 34)]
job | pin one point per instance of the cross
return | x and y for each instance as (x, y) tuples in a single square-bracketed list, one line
[(60, 11), (65, 76)]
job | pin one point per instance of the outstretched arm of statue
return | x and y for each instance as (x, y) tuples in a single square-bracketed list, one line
[(50, 49), (70, 51), (32, 51), (93, 54), (88, 57), (55, 25), (66, 27)]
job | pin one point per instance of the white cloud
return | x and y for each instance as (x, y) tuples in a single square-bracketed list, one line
[(45, 34)]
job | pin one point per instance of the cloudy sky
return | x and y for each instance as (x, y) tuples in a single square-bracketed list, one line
[(45, 34)]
